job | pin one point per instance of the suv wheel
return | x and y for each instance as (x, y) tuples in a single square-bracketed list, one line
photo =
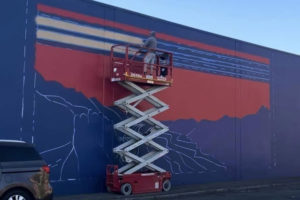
[(17, 195)]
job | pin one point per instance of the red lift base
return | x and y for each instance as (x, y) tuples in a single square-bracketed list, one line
[(136, 183)]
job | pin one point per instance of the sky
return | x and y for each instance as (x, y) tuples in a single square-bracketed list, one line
[(270, 23)]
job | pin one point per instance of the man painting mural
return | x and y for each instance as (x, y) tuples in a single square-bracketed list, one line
[(151, 44)]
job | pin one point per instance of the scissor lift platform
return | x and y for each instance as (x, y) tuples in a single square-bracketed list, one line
[(127, 65), (140, 175)]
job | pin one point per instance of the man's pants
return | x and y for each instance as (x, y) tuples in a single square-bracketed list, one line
[(149, 61)]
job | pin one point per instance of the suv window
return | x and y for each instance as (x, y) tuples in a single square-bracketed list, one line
[(18, 153)]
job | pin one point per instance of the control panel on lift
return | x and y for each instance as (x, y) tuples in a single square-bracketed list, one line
[(128, 65)]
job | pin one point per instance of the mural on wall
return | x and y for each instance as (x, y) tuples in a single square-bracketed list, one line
[(72, 49), (218, 93)]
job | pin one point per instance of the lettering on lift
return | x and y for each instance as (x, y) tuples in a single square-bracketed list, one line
[(135, 75)]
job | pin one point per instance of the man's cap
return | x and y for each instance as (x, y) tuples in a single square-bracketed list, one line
[(152, 33)]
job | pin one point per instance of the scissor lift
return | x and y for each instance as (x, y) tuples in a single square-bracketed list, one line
[(140, 175)]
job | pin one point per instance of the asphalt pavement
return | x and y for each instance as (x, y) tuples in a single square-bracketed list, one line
[(277, 193), (271, 189)]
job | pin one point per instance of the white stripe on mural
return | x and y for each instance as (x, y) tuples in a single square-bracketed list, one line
[(67, 39), (98, 32), (78, 41)]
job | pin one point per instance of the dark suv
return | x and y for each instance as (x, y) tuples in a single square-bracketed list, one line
[(24, 175)]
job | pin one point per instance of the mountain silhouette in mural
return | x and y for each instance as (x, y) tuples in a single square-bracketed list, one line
[(74, 126), (241, 144)]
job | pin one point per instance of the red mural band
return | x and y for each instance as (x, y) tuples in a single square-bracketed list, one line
[(209, 96)]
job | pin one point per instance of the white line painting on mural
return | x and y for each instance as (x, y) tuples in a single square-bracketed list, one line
[(177, 146), (60, 101), (68, 105), (24, 67), (183, 150)]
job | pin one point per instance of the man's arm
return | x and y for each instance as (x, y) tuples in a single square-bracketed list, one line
[(146, 44)]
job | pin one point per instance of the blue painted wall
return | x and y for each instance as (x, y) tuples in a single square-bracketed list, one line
[(74, 133)]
